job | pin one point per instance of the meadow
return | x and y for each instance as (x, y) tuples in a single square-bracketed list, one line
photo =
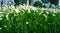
[(28, 19)]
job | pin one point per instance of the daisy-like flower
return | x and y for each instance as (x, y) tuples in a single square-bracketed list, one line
[(0, 28), (27, 23), (47, 12)]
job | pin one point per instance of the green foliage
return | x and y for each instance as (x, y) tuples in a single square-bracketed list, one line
[(37, 4), (54, 2), (16, 2), (33, 21)]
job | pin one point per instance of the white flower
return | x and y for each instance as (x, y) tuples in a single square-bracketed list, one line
[(47, 12), (45, 15), (53, 14), (23, 4), (54, 11), (0, 28), (0, 18), (7, 17), (17, 10), (27, 23), (29, 11), (0, 12), (5, 26), (39, 13)]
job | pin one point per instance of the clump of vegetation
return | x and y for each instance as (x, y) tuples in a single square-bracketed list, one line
[(37, 4), (29, 19)]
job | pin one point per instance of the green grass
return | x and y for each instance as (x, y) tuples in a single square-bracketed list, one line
[(29, 21)]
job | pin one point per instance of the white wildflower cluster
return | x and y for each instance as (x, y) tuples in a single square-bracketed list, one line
[(5, 7), (13, 7), (23, 7), (33, 8), (27, 7), (17, 10)]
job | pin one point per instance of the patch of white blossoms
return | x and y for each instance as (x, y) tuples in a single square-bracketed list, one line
[(17, 10)]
